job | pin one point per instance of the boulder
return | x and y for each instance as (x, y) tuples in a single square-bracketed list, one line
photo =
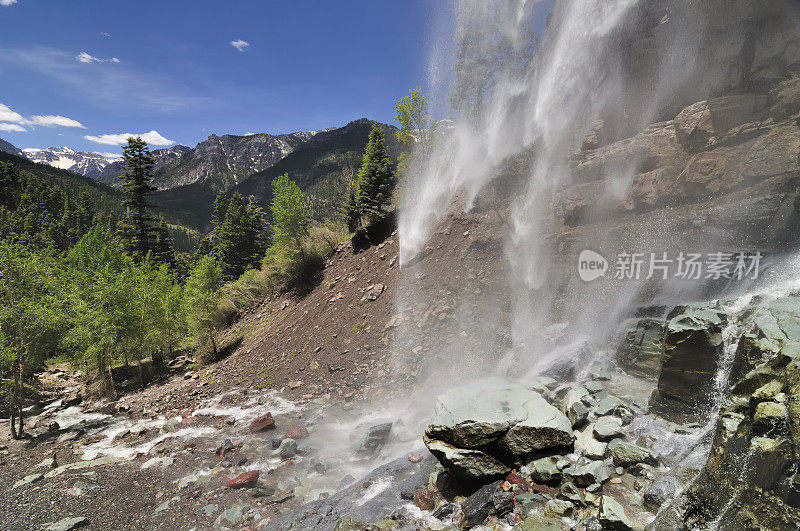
[(558, 508), (68, 524), (287, 448), (377, 436), (425, 499), (589, 474), (692, 345), (297, 432), (586, 444), (607, 428), (543, 470), (612, 515), (477, 507), (627, 454), (465, 462), (262, 423), (244, 480), (660, 491), (498, 419)]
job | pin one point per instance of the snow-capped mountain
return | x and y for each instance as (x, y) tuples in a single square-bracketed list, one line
[(8, 147), (83, 162)]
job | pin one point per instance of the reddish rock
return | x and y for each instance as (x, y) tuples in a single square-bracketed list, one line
[(515, 479), (243, 481), (262, 423), (425, 499), (414, 457), (297, 432)]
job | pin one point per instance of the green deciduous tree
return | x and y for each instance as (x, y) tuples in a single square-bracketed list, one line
[(201, 298), (291, 213)]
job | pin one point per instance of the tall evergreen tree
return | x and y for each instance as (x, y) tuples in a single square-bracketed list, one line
[(351, 209), (375, 178), (231, 239), (163, 250), (219, 208), (137, 230)]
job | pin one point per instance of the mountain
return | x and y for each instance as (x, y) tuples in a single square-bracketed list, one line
[(86, 163), (219, 162), (7, 147), (323, 165)]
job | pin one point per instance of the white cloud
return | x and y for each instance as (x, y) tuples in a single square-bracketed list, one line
[(7, 2), (84, 57), (7, 115), (50, 120), (105, 34), (153, 138), (108, 155), (240, 45), (12, 127)]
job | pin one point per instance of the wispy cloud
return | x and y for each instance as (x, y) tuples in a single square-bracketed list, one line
[(12, 127), (84, 57), (105, 34), (7, 2), (49, 120), (124, 84), (117, 139), (240, 45)]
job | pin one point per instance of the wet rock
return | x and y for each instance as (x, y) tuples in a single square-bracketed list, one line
[(415, 457), (244, 480), (543, 470), (586, 444), (502, 502), (376, 438), (444, 511), (692, 345), (498, 414), (607, 406), (297, 433), (478, 506), (612, 515), (592, 472), (537, 522), (465, 462), (607, 428), (558, 508), (287, 449), (660, 491), (641, 350), (262, 423), (626, 454), (577, 414), (770, 419), (68, 524), (171, 426), (424, 499), (515, 479), (594, 387), (570, 492)]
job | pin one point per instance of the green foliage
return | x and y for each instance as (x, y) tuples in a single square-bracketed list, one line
[(201, 298), (417, 128), (219, 208), (240, 240), (30, 320), (290, 213)]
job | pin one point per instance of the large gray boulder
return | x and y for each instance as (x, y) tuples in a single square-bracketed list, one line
[(476, 427)]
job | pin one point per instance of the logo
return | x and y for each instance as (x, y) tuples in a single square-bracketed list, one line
[(591, 265)]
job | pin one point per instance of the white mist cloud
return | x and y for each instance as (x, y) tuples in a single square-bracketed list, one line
[(50, 120), (12, 127), (84, 57), (117, 139), (240, 45)]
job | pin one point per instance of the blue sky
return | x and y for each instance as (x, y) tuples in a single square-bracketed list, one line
[(80, 68)]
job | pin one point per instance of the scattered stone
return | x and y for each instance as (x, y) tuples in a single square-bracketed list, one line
[(625, 454), (537, 522), (588, 446), (295, 384), (377, 437), (577, 414), (415, 457), (467, 463), (50, 462), (662, 490), (425, 499), (244, 480), (607, 406), (27, 480), (262, 423), (594, 386), (208, 510), (592, 472), (228, 518), (612, 515), (558, 508), (502, 502), (297, 432), (478, 506), (161, 508), (543, 470), (607, 428), (68, 524), (515, 479), (444, 511), (287, 449), (171, 426)]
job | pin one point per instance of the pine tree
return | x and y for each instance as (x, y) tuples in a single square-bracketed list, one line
[(351, 209), (231, 240), (219, 208), (375, 178), (256, 233), (163, 250), (137, 230)]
